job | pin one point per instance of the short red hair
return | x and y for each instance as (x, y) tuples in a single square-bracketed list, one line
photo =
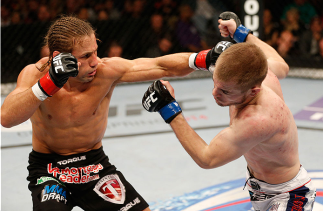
[(243, 63)]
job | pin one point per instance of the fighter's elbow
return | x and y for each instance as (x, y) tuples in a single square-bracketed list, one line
[(285, 69), (280, 69), (6, 121), (205, 164), (5, 124)]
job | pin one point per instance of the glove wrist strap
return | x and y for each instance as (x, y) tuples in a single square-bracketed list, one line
[(47, 85), (170, 111), (38, 92), (191, 61), (241, 34)]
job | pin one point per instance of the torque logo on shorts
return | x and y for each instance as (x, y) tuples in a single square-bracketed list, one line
[(111, 189), (54, 192), (71, 160), (130, 204)]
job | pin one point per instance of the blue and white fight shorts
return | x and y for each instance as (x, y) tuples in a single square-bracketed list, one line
[(298, 194)]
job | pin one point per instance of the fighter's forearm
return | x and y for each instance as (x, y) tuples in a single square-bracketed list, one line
[(194, 145), (18, 108), (175, 64), (146, 69)]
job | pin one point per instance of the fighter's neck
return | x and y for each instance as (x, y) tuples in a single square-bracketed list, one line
[(250, 100)]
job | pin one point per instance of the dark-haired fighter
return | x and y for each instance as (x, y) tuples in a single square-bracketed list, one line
[(67, 99)]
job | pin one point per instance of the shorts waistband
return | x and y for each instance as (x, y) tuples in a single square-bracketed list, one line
[(299, 180), (53, 156)]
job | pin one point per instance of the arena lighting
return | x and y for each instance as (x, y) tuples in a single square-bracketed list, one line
[(252, 16)]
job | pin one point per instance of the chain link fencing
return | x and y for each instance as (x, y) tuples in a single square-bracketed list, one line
[(21, 43)]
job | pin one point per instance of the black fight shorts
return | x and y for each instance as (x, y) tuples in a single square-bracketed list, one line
[(87, 180)]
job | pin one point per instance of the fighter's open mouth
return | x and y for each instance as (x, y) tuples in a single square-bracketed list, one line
[(92, 73)]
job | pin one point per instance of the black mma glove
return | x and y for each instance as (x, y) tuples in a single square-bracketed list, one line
[(63, 66), (241, 33), (157, 98), (204, 59)]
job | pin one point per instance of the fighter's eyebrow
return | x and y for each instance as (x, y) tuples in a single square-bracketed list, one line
[(89, 52)]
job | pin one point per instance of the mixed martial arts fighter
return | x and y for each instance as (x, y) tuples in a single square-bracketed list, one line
[(262, 128), (67, 99)]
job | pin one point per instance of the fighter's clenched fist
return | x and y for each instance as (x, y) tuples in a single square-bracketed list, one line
[(63, 66), (157, 98), (234, 28), (205, 60)]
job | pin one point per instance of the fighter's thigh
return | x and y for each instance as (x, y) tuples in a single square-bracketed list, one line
[(113, 192), (49, 196)]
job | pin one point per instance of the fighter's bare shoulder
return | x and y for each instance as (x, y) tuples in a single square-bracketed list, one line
[(32, 71), (254, 122), (273, 83), (115, 65), (42, 61), (115, 61), (30, 75)]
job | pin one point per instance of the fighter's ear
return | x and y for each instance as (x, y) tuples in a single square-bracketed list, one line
[(55, 53), (255, 90)]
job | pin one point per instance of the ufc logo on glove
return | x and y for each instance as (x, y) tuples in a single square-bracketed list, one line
[(148, 100), (158, 99), (58, 63)]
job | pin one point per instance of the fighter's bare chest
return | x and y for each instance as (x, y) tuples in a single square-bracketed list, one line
[(74, 109)]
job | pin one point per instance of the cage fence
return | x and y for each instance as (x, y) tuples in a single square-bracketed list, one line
[(151, 29)]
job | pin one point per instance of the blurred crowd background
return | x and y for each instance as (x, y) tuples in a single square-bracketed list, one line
[(151, 28)]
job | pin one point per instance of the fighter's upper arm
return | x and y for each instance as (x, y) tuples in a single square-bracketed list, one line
[(123, 70), (231, 143), (142, 69), (145, 69), (273, 83), (278, 66)]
